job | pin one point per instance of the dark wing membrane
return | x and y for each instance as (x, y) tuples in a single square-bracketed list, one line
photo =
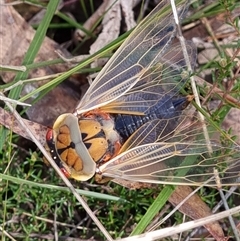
[(143, 49), (181, 157)]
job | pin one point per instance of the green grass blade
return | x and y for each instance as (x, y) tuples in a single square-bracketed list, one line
[(153, 210), (35, 46), (65, 189)]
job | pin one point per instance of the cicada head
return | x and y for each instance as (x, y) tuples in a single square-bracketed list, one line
[(68, 150)]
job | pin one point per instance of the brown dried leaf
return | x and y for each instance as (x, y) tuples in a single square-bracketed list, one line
[(15, 36), (10, 122), (111, 26), (195, 208), (127, 9)]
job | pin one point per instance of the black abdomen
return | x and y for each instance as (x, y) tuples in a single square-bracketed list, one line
[(166, 108)]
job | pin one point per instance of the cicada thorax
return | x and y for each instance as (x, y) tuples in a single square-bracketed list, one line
[(99, 135), (77, 143)]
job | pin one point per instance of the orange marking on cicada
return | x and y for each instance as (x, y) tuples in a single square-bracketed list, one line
[(109, 155), (117, 147), (50, 142), (65, 172), (97, 112), (63, 137)]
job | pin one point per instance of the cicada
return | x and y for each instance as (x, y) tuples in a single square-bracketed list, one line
[(130, 123)]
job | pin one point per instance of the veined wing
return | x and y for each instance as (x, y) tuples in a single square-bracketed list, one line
[(143, 49), (161, 82), (158, 130), (181, 158)]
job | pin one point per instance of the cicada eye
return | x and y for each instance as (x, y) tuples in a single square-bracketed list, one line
[(49, 135), (65, 172)]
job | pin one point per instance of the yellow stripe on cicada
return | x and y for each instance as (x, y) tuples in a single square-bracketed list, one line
[(94, 138)]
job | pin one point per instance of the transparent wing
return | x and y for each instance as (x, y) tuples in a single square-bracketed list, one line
[(160, 82), (145, 48), (180, 158), (152, 131)]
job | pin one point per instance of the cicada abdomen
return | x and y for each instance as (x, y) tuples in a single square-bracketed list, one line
[(168, 108)]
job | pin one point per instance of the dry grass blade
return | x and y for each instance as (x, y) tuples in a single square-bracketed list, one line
[(158, 234)]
